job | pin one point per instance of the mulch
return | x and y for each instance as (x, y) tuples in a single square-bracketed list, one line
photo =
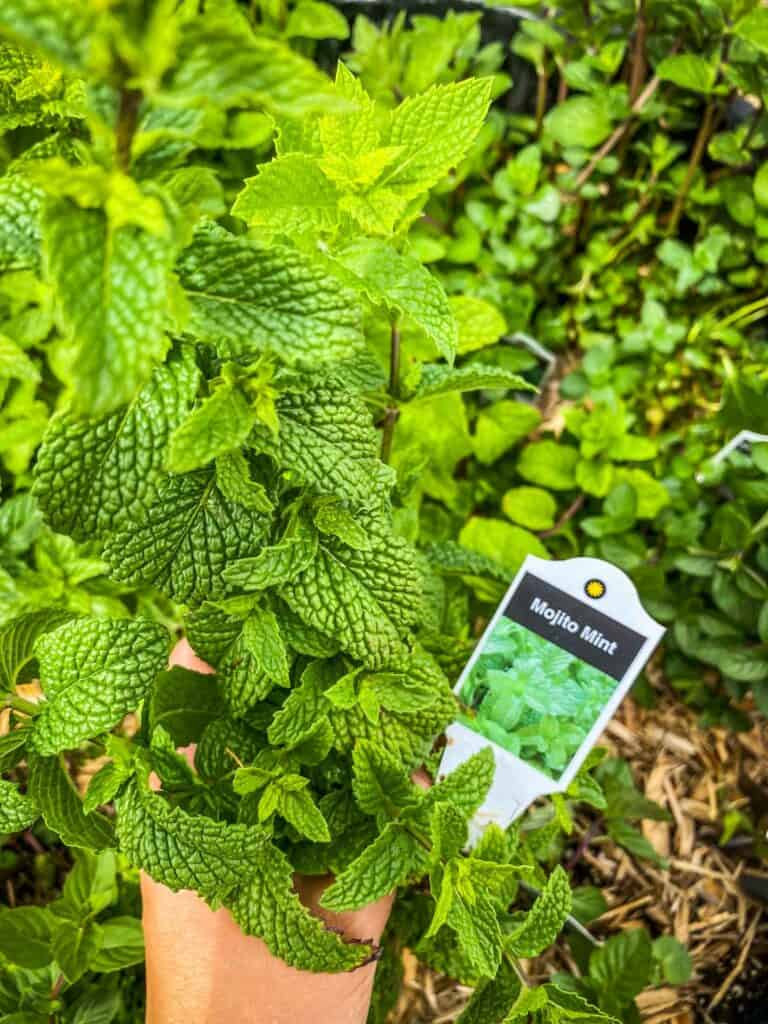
[(708, 896)]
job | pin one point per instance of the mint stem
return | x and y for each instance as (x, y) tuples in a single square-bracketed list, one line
[(392, 413), (127, 122)]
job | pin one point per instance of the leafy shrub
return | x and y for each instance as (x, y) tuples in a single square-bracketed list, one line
[(216, 317), (617, 214)]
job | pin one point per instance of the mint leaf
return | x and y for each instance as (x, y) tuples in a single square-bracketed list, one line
[(436, 130), (13, 747), (19, 223), (62, 809), (233, 478), (246, 298), (17, 643), (93, 672), (439, 380), (221, 58), (25, 936), (388, 862), (622, 965), (492, 1000), (327, 441), (273, 565), (228, 644), (303, 708), (401, 284), (236, 863), (111, 284), (380, 785), (94, 476), (221, 422), (466, 787), (185, 539), (122, 945), (545, 919), (478, 931), (183, 702), (289, 797), (365, 600), (263, 638), (17, 811), (290, 195)]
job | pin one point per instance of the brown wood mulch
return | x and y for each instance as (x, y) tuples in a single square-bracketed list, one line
[(698, 775)]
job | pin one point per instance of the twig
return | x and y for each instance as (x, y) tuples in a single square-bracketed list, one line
[(127, 122), (58, 985), (702, 138), (637, 74), (618, 133), (392, 413), (542, 87), (584, 842), (569, 513)]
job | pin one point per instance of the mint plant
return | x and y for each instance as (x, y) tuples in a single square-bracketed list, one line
[(214, 464)]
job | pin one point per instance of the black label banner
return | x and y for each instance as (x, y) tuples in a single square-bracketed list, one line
[(575, 626)]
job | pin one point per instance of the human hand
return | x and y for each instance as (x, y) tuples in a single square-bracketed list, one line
[(202, 969)]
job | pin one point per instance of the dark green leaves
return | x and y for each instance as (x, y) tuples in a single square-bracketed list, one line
[(16, 810), (93, 672), (233, 862), (94, 476), (62, 809), (365, 600), (185, 539), (327, 442)]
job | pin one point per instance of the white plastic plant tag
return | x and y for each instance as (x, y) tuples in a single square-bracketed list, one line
[(559, 654), (740, 444)]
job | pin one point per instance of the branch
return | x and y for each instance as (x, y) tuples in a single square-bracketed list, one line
[(618, 133), (702, 138), (127, 122), (569, 513)]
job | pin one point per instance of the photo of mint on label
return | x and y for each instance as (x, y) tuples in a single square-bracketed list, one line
[(562, 648), (534, 699)]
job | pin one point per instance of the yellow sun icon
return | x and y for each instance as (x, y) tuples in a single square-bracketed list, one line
[(594, 588)]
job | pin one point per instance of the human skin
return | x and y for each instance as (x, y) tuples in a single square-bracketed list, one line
[(202, 969)]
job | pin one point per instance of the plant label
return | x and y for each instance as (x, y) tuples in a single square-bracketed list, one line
[(560, 652), (739, 445)]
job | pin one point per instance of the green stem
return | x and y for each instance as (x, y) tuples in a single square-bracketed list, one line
[(26, 707), (392, 413), (127, 122), (702, 138), (542, 87)]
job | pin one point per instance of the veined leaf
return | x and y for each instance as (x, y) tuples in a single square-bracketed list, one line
[(388, 862), (227, 643), (327, 441), (94, 671), (235, 863), (366, 600), (95, 476), (17, 811), (246, 298), (112, 288), (290, 195), (185, 539), (62, 809), (403, 285)]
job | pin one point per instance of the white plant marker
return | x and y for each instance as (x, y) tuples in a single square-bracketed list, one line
[(584, 606)]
